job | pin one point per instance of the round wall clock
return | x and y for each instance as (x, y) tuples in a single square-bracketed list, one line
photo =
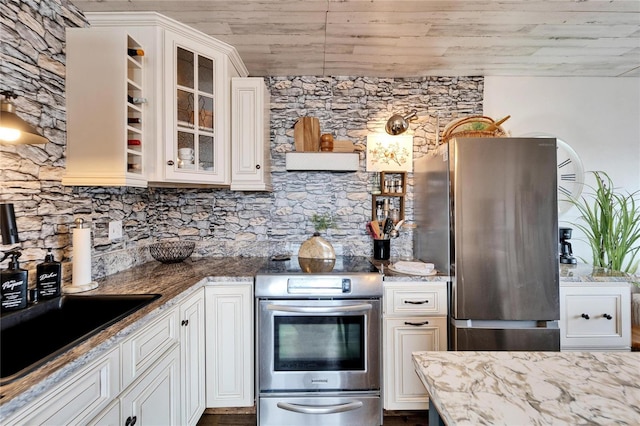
[(570, 173), (570, 176)]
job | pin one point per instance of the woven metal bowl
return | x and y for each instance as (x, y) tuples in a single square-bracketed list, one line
[(171, 251)]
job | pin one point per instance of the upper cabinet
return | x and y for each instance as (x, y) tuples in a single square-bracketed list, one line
[(106, 114), (250, 138), (186, 121)]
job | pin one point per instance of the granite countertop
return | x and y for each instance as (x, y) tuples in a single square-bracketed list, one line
[(174, 282), (580, 273), (587, 273), (534, 388)]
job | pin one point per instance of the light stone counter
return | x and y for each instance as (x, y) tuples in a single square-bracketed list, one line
[(174, 282), (532, 388)]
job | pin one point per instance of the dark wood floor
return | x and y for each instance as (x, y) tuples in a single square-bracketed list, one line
[(414, 418)]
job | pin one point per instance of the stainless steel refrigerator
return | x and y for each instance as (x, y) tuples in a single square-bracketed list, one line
[(486, 214)]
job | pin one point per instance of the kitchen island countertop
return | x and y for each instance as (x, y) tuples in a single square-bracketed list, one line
[(517, 388)]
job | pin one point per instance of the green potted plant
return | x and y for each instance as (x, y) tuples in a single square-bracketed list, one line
[(610, 220), (317, 247)]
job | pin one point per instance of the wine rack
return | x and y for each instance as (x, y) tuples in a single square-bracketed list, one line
[(135, 105)]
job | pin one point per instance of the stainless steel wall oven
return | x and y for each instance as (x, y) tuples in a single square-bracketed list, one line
[(318, 338)]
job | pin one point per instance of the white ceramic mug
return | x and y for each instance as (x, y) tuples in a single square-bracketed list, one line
[(185, 154)]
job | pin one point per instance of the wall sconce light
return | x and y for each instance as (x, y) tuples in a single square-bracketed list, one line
[(8, 225), (13, 129), (398, 124)]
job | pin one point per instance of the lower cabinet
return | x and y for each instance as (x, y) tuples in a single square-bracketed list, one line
[(154, 377), (229, 340), (595, 316), (78, 398), (192, 355), (414, 319), (153, 399)]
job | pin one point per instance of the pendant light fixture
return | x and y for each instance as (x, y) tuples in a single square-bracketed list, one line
[(399, 124), (13, 129)]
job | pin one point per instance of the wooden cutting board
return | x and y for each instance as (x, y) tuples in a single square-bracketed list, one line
[(306, 134)]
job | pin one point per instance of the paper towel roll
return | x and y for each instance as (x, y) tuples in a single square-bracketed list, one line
[(81, 256)]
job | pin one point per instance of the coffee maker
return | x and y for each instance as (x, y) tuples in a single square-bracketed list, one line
[(566, 252)]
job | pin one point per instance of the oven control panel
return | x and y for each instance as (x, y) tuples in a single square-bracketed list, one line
[(318, 285)]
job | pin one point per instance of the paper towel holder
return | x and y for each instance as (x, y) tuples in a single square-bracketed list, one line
[(76, 286)]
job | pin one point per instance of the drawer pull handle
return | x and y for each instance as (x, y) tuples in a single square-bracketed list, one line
[(130, 421), (585, 316), (170, 163), (185, 322), (607, 316), (416, 324), (416, 302)]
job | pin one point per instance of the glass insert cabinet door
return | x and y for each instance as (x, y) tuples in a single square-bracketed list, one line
[(195, 153)]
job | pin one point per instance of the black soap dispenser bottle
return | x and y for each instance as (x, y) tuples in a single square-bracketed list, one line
[(14, 283), (48, 277)]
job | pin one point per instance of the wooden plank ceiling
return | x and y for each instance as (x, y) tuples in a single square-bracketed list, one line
[(405, 38)]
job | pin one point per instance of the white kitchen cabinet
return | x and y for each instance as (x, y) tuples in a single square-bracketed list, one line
[(154, 399), (414, 319), (595, 316), (250, 144), (76, 399), (186, 80), (163, 370), (105, 123), (229, 340), (156, 374), (144, 348), (194, 118), (192, 351)]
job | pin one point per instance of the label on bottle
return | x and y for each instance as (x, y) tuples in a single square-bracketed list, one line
[(14, 291), (48, 284)]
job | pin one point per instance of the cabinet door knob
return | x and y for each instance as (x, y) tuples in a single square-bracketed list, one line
[(585, 316), (607, 316), (416, 302), (257, 166), (170, 163), (416, 324), (185, 322), (130, 421)]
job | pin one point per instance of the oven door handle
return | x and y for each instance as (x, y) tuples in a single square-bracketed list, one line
[(320, 409), (361, 307)]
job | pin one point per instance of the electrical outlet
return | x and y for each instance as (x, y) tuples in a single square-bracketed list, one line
[(115, 230)]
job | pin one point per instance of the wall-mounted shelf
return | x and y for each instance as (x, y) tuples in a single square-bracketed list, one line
[(323, 161), (391, 192)]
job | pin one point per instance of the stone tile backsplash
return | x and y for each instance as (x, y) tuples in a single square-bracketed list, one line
[(222, 222)]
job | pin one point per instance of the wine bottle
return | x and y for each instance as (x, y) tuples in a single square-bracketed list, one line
[(133, 120), (133, 142), (133, 100), (135, 52)]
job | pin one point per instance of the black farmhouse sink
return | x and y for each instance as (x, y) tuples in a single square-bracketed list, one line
[(33, 336)]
